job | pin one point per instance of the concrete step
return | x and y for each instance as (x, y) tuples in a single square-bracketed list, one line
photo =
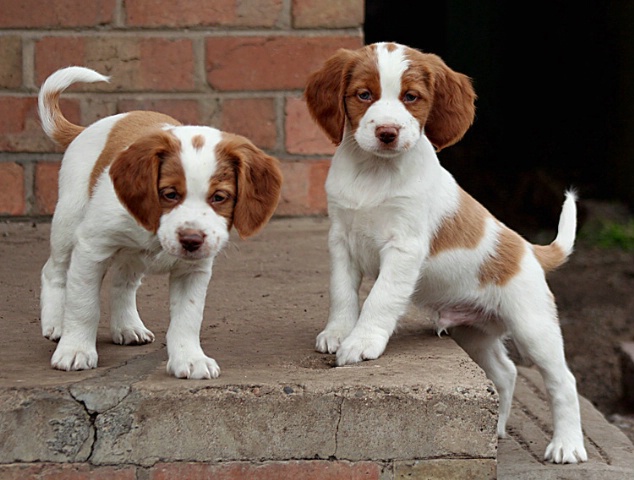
[(279, 409)]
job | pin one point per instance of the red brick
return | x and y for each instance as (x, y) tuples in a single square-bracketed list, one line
[(46, 175), (303, 188), (10, 62), (20, 128), (269, 63), (185, 111), (303, 135), (327, 13), (12, 189), (202, 13), (56, 14), (137, 64), (253, 118), (305, 470)]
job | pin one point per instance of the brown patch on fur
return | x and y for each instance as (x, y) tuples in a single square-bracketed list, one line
[(138, 171), (129, 129), (550, 256), (224, 180), (258, 181), (452, 98), (464, 229), (198, 141), (65, 132), (504, 264)]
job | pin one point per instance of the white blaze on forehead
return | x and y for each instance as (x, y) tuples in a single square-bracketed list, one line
[(392, 64), (199, 164)]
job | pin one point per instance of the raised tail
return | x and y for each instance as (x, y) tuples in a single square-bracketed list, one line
[(554, 255), (55, 125)]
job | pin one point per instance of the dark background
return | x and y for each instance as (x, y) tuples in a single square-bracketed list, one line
[(555, 90)]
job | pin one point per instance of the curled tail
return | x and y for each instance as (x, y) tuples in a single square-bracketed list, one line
[(55, 125), (554, 255)]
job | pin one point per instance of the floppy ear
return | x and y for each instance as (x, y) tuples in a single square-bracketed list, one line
[(259, 183), (325, 92), (453, 107), (135, 173)]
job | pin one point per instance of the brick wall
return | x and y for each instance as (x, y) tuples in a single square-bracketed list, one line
[(236, 65)]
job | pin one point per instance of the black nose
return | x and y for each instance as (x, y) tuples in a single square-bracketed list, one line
[(386, 133), (191, 239)]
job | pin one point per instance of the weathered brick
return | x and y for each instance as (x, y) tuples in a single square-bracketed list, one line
[(303, 135), (269, 63), (45, 187), (12, 189), (20, 128), (306, 470), (303, 188), (137, 64), (327, 13), (10, 62), (57, 14), (65, 471), (185, 111), (202, 13), (253, 118)]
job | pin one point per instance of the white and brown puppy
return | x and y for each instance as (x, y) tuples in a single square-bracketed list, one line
[(140, 192), (398, 216)]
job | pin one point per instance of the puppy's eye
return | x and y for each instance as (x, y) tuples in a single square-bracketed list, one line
[(410, 97), (364, 95), (170, 194), (219, 197)]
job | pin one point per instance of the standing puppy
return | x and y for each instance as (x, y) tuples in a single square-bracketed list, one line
[(142, 193), (398, 216)]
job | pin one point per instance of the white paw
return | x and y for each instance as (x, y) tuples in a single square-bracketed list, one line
[(52, 332), (194, 367), (357, 347), (329, 340), (73, 358), (135, 335), (566, 451)]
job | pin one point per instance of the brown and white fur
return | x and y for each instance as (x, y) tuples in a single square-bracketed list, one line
[(398, 216), (139, 192)]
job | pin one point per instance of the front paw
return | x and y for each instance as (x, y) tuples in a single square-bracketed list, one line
[(52, 332), (361, 346), (135, 335), (195, 367), (566, 451), (74, 358), (329, 340)]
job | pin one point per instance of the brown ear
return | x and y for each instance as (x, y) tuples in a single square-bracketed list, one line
[(453, 108), (325, 92), (259, 181), (135, 173)]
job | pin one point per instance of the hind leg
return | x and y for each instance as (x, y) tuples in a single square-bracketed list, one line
[(488, 351), (126, 326), (536, 331)]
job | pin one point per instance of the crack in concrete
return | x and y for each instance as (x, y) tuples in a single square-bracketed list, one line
[(340, 414)]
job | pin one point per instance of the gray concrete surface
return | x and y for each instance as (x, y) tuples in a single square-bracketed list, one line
[(423, 402)]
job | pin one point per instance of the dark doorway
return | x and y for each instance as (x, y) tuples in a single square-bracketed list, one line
[(555, 96)]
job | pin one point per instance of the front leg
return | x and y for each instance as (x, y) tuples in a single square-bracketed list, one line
[(77, 349), (345, 279), (188, 289), (388, 300)]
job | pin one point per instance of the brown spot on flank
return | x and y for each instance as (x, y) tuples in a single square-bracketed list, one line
[(124, 133), (198, 141), (504, 264), (464, 229)]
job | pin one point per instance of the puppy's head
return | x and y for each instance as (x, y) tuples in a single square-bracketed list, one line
[(190, 185), (388, 95)]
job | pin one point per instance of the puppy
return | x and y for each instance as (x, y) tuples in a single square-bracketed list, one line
[(398, 216), (140, 192)]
